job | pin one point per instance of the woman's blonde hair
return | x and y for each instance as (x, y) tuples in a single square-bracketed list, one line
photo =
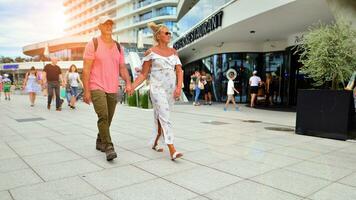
[(156, 28)]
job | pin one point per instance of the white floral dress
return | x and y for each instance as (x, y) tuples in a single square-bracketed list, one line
[(162, 86)]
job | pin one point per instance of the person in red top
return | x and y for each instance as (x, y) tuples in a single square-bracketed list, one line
[(103, 62)]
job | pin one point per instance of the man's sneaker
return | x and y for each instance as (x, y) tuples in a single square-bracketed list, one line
[(49, 107), (59, 109), (100, 146), (110, 152)]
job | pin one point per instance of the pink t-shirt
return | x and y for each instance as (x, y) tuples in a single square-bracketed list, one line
[(104, 73)]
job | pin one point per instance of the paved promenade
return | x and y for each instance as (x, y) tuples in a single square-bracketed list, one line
[(50, 155)]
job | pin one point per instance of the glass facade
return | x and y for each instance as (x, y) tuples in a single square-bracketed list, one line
[(201, 10), (145, 16), (168, 10), (164, 11), (143, 3), (244, 64)]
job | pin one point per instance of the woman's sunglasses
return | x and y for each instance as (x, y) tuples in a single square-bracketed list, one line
[(168, 33)]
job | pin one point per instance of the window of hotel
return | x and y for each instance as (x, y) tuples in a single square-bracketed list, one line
[(169, 10), (170, 25), (145, 31), (145, 16)]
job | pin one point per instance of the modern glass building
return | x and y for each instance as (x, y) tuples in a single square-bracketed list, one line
[(130, 16), (248, 35)]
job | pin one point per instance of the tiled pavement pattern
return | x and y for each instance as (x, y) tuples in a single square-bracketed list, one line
[(55, 158)]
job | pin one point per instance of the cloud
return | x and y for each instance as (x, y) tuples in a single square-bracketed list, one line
[(26, 22)]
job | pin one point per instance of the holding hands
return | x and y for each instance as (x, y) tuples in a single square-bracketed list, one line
[(129, 89)]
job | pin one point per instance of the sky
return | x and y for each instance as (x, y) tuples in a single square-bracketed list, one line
[(24, 22)]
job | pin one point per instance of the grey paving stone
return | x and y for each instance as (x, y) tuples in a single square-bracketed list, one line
[(319, 170), (243, 168), (206, 156), (157, 189), (12, 179), (114, 178), (96, 197), (51, 158), (124, 158), (65, 169), (5, 195), (64, 189), (349, 180), (164, 166), (12, 164), (292, 182), (248, 190), (202, 179), (335, 191)]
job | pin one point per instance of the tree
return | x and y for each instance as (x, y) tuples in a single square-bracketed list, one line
[(328, 53), (19, 59), (6, 60)]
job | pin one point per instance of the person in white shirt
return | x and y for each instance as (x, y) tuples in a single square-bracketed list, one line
[(73, 79), (255, 81), (231, 91)]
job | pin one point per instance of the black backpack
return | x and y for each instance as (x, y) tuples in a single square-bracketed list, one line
[(95, 41)]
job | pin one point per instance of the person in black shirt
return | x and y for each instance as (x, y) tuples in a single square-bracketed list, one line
[(52, 74)]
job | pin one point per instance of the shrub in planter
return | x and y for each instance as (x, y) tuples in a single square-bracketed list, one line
[(328, 53), (131, 100), (144, 101)]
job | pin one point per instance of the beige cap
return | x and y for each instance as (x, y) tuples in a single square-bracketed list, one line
[(103, 19)]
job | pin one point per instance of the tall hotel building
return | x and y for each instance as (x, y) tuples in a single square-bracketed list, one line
[(130, 17)]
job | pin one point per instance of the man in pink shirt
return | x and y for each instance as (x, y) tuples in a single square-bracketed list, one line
[(103, 62)]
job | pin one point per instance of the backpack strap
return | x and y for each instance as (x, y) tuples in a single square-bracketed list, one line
[(118, 46), (95, 41)]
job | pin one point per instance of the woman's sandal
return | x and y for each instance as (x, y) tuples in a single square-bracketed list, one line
[(157, 148), (176, 155)]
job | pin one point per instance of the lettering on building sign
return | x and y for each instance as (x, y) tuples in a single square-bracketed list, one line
[(206, 27)]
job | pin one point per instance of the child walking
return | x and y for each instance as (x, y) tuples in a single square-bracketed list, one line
[(230, 91)]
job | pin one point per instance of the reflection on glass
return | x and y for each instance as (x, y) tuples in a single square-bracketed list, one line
[(273, 63), (200, 11)]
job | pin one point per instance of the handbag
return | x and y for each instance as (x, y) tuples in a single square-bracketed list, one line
[(191, 85), (201, 85)]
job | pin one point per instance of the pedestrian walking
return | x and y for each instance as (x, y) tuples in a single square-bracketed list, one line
[(254, 82), (52, 75), (231, 90), (166, 78), (31, 85), (73, 81), (103, 63), (7, 87)]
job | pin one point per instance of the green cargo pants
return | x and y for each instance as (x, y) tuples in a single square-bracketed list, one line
[(104, 106)]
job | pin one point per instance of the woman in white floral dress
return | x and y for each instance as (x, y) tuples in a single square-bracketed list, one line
[(165, 69)]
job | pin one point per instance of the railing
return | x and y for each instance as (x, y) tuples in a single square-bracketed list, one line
[(144, 3)]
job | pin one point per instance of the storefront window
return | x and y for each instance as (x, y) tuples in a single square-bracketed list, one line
[(273, 64)]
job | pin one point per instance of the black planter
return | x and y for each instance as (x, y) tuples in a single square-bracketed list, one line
[(326, 113)]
